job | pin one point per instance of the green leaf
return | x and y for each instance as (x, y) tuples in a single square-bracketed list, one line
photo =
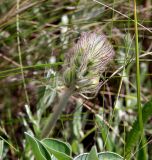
[(143, 150), (59, 149), (38, 149), (105, 137), (101, 156), (1, 148), (77, 147), (134, 134), (93, 155), (83, 156), (109, 156)]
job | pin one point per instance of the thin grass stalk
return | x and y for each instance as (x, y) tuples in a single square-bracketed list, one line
[(140, 120), (137, 68), (124, 15), (19, 51)]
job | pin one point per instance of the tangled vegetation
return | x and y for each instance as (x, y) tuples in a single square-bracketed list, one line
[(103, 49)]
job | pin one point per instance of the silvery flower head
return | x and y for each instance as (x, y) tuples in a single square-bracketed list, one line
[(86, 61)]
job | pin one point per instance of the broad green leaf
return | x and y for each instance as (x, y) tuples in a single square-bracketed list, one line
[(38, 149), (101, 156), (1, 147), (109, 156), (58, 145), (134, 134), (59, 149), (93, 155)]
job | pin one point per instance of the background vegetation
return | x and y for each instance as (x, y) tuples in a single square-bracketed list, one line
[(35, 35)]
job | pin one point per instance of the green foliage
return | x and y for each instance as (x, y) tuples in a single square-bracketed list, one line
[(93, 154), (38, 148), (43, 150), (59, 149), (47, 31), (104, 130), (99, 156), (48, 148), (135, 133), (143, 149)]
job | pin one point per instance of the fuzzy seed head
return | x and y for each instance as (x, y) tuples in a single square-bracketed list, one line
[(89, 56)]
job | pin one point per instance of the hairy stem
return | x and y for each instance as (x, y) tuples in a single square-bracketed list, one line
[(57, 112)]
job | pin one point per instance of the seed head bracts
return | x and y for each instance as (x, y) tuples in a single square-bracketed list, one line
[(86, 61)]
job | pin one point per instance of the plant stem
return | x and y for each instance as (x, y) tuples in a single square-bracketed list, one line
[(137, 70), (57, 112), (20, 53), (138, 81)]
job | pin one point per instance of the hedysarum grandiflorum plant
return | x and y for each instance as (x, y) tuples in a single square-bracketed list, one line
[(83, 66)]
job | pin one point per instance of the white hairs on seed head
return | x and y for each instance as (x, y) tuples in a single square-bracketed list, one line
[(89, 56)]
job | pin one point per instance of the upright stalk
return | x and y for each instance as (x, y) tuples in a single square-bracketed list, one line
[(137, 69), (144, 156), (57, 112), (19, 51)]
